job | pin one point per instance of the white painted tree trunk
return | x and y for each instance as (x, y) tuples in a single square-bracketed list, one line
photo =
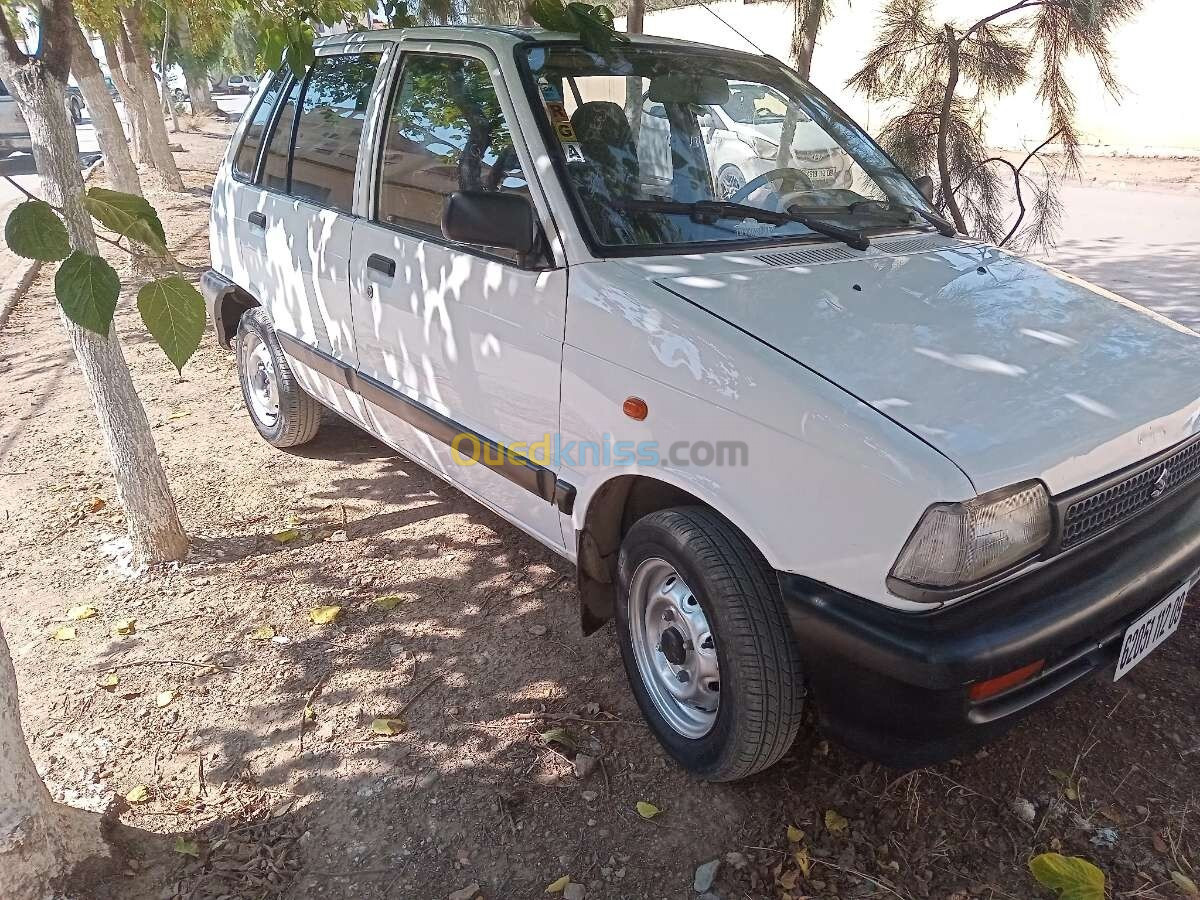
[(160, 145), (131, 98), (142, 488), (40, 841), (118, 162)]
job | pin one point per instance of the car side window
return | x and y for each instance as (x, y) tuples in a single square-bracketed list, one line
[(247, 155), (275, 165), (446, 132), (331, 120)]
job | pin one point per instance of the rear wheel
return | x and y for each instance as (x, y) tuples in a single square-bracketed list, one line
[(706, 644), (281, 411)]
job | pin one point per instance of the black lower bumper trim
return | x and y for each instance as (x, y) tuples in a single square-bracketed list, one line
[(894, 685)]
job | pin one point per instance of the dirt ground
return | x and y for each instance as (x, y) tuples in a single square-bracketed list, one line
[(479, 655)]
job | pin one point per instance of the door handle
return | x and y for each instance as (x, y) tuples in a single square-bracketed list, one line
[(257, 219), (382, 264)]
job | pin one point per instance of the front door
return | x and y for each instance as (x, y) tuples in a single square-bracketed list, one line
[(460, 347)]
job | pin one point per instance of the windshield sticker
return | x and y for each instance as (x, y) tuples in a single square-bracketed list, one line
[(565, 132), (573, 152), (557, 112), (550, 93)]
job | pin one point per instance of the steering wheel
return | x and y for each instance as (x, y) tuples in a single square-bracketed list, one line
[(787, 178)]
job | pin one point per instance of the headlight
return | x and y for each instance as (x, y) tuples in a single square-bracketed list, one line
[(763, 148), (961, 543)]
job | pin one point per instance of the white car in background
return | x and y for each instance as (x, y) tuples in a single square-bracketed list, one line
[(742, 137)]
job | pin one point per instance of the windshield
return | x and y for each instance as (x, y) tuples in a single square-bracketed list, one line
[(650, 136)]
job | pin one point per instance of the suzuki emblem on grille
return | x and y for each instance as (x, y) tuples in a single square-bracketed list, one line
[(1160, 484)]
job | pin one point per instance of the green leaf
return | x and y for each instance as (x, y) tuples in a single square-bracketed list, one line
[(1074, 878), (127, 214), (174, 313), (187, 847), (35, 231), (87, 287)]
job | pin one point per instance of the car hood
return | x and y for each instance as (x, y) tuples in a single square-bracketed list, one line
[(1008, 368), (808, 137)]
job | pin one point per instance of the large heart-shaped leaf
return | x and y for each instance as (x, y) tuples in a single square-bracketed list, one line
[(127, 214), (173, 311), (35, 231), (1074, 878), (87, 287)]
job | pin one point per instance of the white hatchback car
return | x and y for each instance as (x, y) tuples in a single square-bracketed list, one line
[(803, 442)]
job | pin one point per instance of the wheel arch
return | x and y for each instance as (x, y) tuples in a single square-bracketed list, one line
[(611, 511), (227, 304)]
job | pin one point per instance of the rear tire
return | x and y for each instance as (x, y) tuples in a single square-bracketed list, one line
[(724, 694), (282, 412)]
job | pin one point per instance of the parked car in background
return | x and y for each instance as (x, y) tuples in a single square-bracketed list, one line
[(241, 84), (742, 136), (806, 446), (74, 102), (14, 133)]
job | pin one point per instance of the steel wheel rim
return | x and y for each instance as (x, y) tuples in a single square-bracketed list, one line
[(258, 375), (674, 649)]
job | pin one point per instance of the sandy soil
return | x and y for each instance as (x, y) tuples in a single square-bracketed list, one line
[(480, 655)]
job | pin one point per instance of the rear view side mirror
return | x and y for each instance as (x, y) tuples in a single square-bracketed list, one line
[(927, 187), (489, 219)]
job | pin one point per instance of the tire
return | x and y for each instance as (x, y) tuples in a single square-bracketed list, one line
[(759, 696), (282, 412), (730, 180)]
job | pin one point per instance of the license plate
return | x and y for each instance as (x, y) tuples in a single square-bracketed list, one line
[(1144, 635), (825, 174)]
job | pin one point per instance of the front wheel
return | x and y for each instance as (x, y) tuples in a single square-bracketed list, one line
[(706, 644)]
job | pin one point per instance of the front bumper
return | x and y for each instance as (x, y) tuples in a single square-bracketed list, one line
[(894, 686)]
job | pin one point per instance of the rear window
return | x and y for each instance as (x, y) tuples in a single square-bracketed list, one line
[(331, 120), (247, 155)]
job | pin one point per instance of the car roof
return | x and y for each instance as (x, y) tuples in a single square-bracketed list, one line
[(495, 37)]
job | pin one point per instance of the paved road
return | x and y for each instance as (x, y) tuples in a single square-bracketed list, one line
[(1144, 245)]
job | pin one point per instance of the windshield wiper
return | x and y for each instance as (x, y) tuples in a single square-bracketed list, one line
[(707, 212), (944, 228)]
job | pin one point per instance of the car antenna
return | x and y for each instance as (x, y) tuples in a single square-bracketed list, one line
[(713, 13)]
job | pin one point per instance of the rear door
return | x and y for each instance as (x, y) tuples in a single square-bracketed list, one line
[(297, 219), (458, 341)]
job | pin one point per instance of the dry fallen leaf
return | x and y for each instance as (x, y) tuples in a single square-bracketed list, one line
[(558, 885), (66, 633), (178, 414), (78, 613), (390, 601), (795, 835), (125, 626), (388, 726), (323, 615), (836, 822), (187, 847), (310, 714), (139, 794), (559, 736), (337, 537), (803, 861), (286, 535), (164, 698), (95, 504), (263, 633), (1185, 884), (787, 880), (647, 810), (108, 682)]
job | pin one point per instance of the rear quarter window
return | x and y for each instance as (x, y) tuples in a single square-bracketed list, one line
[(247, 155)]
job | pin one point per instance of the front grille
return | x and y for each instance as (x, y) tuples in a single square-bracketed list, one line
[(1114, 503)]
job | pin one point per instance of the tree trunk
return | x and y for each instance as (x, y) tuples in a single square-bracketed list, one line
[(150, 514), (131, 99), (41, 842), (141, 73), (943, 151), (111, 134), (804, 33), (196, 76), (635, 21), (165, 89)]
